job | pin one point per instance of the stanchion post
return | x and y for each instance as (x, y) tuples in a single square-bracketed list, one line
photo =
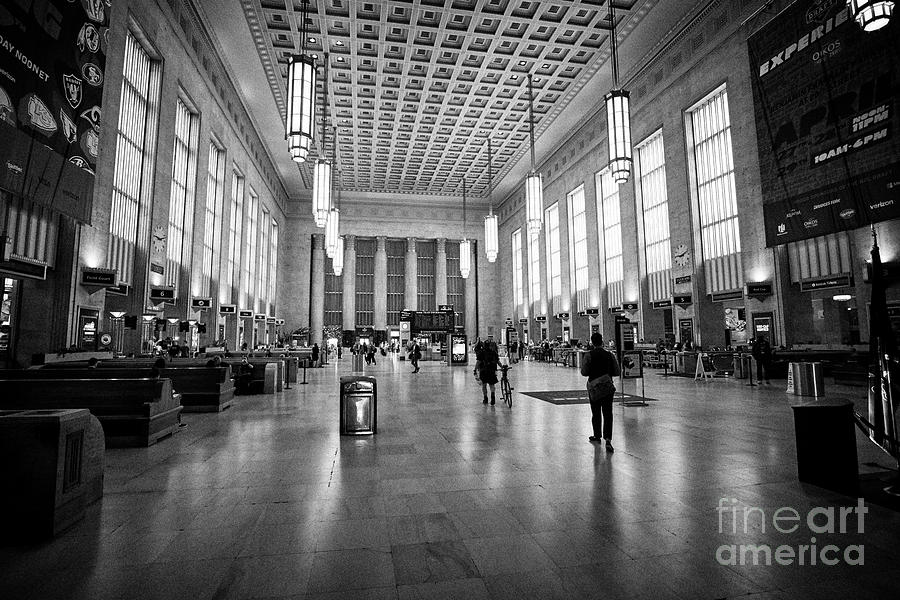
[(750, 370)]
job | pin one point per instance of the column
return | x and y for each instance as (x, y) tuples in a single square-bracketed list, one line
[(411, 275), (317, 299), (232, 325), (472, 296), (440, 273), (349, 284), (380, 285)]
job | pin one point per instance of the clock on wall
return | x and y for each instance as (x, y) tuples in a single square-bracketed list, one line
[(158, 239), (682, 257)]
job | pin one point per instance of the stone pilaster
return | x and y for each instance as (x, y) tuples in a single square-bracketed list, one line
[(380, 285), (317, 300), (412, 273), (440, 272), (349, 284)]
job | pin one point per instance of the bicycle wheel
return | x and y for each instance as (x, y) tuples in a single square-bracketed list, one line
[(506, 391)]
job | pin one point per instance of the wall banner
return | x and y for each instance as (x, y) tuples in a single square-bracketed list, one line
[(826, 101)]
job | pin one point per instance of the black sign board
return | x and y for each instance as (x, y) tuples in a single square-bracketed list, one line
[(259, 317), (629, 306), (443, 307), (279, 321), (52, 58), (432, 321), (270, 320), (824, 283), (245, 314), (826, 97), (158, 269), (592, 312), (406, 315), (99, 277), (683, 279), (563, 316), (201, 303), (682, 300), (509, 321), (162, 294), (662, 304), (760, 289), (523, 320), (615, 309), (227, 309), (722, 296), (541, 318)]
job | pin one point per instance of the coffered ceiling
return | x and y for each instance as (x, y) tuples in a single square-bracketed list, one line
[(416, 87)]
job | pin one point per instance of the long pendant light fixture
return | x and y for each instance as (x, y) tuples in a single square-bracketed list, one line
[(871, 15), (301, 98), (618, 119), (332, 226), (465, 248), (534, 183), (337, 260), (491, 235), (322, 171)]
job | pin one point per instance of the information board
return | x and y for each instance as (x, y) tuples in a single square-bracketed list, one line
[(425, 321), (826, 98)]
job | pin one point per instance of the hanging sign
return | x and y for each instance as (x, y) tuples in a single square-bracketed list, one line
[(683, 279), (164, 294), (259, 317), (245, 314), (279, 321), (592, 312), (445, 307), (227, 309), (201, 303), (96, 277), (682, 300), (662, 304), (629, 306), (563, 316), (523, 320), (824, 283), (760, 289), (541, 318), (270, 320), (825, 96)]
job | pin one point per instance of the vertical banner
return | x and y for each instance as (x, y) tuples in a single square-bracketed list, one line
[(825, 96), (52, 65)]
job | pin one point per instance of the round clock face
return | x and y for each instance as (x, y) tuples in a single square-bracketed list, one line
[(682, 256)]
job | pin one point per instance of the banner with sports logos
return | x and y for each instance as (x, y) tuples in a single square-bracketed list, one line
[(826, 101), (52, 63)]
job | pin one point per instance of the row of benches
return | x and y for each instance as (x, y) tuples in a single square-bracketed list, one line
[(137, 405)]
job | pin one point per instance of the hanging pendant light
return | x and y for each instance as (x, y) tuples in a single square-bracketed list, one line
[(465, 248), (534, 183), (322, 172), (871, 15), (618, 118), (332, 226), (337, 259), (301, 98), (491, 236)]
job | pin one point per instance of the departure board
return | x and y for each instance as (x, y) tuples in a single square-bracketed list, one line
[(432, 321)]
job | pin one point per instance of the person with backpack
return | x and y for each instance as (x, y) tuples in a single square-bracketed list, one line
[(600, 366), (414, 355), (486, 367)]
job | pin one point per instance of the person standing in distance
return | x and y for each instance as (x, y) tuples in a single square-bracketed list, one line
[(414, 355), (600, 366)]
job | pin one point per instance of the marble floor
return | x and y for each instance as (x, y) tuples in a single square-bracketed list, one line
[(455, 499)]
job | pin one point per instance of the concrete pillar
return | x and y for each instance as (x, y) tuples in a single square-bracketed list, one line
[(440, 273), (412, 273), (472, 298), (349, 284), (380, 285), (317, 301)]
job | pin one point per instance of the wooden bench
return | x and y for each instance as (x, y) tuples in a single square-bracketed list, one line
[(133, 412), (202, 389)]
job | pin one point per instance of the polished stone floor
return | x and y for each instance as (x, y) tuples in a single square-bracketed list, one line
[(454, 499)]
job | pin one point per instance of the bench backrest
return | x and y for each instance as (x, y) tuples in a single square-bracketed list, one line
[(102, 396)]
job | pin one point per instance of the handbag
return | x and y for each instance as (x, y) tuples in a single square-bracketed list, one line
[(601, 386)]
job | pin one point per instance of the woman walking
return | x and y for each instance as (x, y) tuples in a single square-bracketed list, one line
[(487, 369)]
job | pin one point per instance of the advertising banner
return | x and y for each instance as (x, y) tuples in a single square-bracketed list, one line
[(826, 99), (52, 63)]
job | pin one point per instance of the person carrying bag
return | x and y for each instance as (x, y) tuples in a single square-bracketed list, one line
[(600, 367)]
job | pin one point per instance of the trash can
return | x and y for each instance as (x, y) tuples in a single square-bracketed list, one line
[(807, 378), (359, 396), (356, 365), (826, 444), (741, 366)]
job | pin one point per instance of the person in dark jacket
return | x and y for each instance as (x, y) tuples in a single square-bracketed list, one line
[(596, 365), (762, 352), (487, 369), (315, 355), (414, 355), (243, 377)]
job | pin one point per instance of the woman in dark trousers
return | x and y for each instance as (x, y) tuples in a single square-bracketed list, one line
[(487, 370), (414, 355), (315, 355), (596, 364), (762, 352)]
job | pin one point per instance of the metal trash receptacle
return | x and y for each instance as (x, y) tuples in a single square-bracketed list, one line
[(742, 366), (826, 444), (808, 380), (356, 364), (359, 399)]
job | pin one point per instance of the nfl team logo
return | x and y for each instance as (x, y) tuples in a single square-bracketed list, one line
[(92, 74), (72, 87), (88, 38)]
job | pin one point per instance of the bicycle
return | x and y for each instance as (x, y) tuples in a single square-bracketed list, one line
[(505, 387)]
